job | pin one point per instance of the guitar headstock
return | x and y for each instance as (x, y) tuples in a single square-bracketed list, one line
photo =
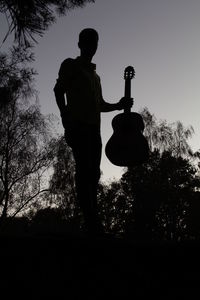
[(129, 72)]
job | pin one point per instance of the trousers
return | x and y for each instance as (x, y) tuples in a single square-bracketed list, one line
[(86, 144)]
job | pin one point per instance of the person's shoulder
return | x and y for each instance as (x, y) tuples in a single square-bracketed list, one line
[(68, 62), (67, 67)]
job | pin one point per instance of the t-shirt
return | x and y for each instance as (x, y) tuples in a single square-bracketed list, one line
[(82, 86)]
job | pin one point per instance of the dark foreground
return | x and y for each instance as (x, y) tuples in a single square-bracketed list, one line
[(77, 267)]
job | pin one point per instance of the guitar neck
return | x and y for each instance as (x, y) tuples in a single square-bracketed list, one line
[(127, 92)]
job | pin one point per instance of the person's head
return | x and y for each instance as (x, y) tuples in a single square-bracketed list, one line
[(88, 42)]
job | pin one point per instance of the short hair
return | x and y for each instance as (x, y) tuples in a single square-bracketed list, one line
[(88, 34)]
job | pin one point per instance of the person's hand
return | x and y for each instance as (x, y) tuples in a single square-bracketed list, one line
[(125, 103)]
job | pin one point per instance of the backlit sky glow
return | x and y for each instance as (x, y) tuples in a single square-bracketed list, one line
[(160, 38)]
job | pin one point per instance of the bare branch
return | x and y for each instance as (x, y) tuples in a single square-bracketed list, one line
[(28, 201)]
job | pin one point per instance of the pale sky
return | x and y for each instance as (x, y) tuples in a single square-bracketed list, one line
[(160, 38)]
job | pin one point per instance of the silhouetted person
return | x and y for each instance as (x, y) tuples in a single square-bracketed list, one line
[(79, 98)]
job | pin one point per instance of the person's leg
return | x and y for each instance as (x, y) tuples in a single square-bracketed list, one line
[(86, 147)]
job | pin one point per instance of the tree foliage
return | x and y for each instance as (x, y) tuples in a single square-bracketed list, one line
[(29, 18), (115, 206), (62, 182), (16, 76), (165, 136), (162, 190), (154, 200), (25, 136)]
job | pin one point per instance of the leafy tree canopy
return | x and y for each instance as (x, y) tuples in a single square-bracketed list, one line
[(29, 18), (25, 136)]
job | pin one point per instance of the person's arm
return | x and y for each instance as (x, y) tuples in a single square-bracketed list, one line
[(59, 88), (60, 96), (122, 104)]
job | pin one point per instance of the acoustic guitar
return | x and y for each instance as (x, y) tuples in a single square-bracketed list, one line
[(127, 145)]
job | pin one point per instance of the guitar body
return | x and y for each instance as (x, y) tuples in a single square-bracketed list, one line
[(127, 146)]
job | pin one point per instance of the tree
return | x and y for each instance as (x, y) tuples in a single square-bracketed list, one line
[(29, 18), (167, 137), (115, 206), (25, 138), (162, 190), (16, 78), (62, 182)]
